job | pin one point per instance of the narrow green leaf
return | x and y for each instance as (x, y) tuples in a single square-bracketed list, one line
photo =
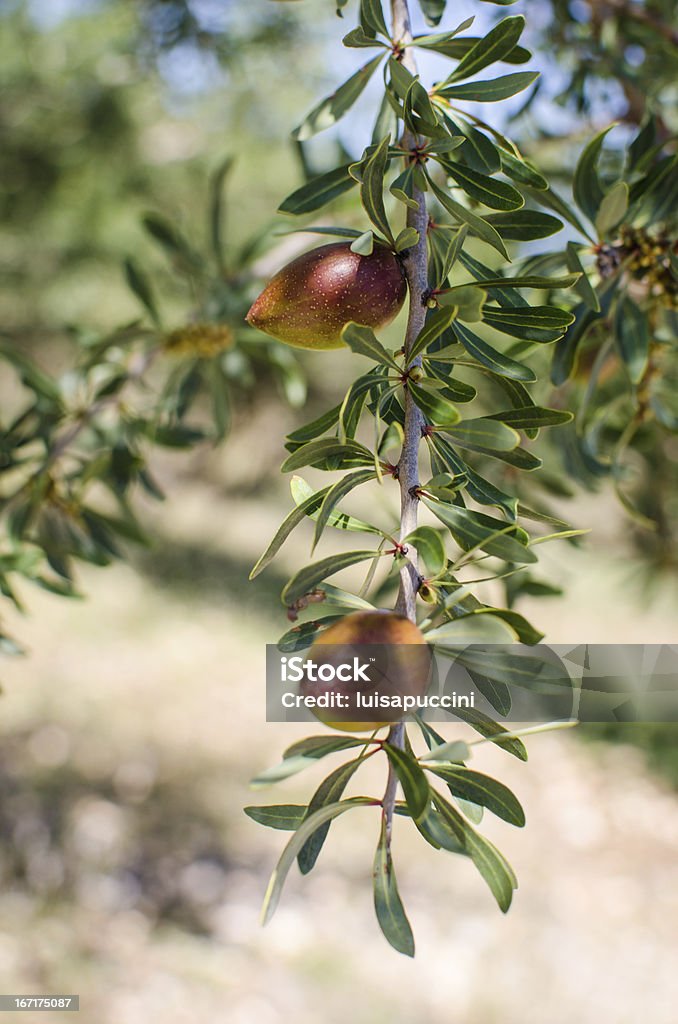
[(492, 731), (331, 109), (614, 205), (474, 529), (478, 226), (296, 516), (587, 190), (303, 833), (387, 903), (493, 47), (498, 195), (485, 432), (488, 356), (372, 188), (350, 453), (485, 791), (491, 91), (632, 331), (534, 323), (528, 416), (335, 494), (307, 578), (318, 191), (583, 287), (287, 817), (140, 285), (412, 779), (438, 410), (363, 341), (524, 225), (329, 791), (429, 545)]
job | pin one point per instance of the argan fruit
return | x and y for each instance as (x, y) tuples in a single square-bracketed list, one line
[(310, 301), (394, 654)]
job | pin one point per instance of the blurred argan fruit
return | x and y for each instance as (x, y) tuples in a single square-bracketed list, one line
[(310, 301), (394, 654)]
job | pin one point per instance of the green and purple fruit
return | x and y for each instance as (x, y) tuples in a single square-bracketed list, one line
[(309, 302)]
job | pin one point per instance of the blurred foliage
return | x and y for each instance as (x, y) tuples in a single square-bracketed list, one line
[(656, 740)]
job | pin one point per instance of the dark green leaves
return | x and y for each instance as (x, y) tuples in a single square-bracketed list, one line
[(633, 337), (329, 791), (287, 817), (493, 47), (363, 341), (387, 903), (412, 779), (475, 530), (533, 323), (307, 578), (491, 91), (483, 790), (372, 188), (524, 225), (498, 195), (303, 833), (318, 191), (586, 187), (331, 109)]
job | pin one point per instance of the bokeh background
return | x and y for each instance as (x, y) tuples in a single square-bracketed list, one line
[(128, 872)]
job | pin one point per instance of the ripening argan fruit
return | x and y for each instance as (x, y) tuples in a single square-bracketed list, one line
[(310, 301), (394, 655)]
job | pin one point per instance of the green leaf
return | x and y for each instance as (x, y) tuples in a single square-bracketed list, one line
[(633, 337), (216, 209), (307, 578), (335, 494), (430, 547), (287, 817), (493, 47), (565, 352), (301, 491), (491, 864), (372, 188), (317, 427), (491, 91), (412, 779), (612, 209), (372, 17), (331, 109), (553, 201), (318, 191), (459, 633), (586, 187), (524, 225), (485, 791), (407, 239), (329, 791), (484, 432), (387, 903), (583, 287), (432, 10), (350, 453), (436, 408), (533, 323), (357, 38), (290, 766), (477, 225), (303, 833), (521, 170), (140, 285), (467, 299), (362, 341), (488, 356), (363, 244), (523, 629), (492, 731), (528, 281), (455, 750), (436, 324), (474, 529), (529, 416), (498, 195), (316, 747)]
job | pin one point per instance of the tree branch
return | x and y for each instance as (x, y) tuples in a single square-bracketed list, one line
[(416, 269)]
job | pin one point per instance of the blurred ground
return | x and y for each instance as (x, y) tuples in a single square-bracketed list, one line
[(130, 875)]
